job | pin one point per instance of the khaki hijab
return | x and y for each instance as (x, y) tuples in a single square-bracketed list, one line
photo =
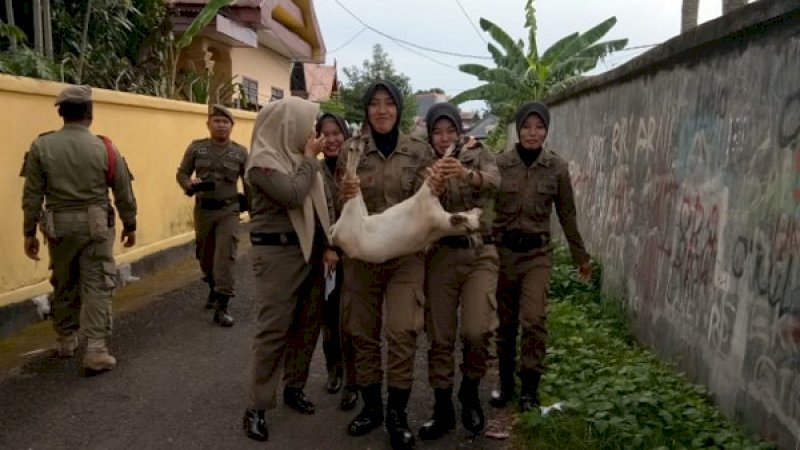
[(279, 136)]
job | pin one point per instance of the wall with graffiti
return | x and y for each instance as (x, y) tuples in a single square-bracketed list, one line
[(687, 177)]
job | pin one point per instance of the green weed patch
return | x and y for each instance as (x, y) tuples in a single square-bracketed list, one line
[(617, 395)]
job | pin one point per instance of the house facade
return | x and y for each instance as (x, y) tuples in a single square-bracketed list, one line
[(244, 57)]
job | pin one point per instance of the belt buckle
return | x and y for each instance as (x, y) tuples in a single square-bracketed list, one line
[(283, 238)]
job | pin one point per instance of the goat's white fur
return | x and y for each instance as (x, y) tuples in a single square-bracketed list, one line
[(402, 229)]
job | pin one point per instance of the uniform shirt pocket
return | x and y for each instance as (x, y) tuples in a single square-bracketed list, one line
[(231, 170)]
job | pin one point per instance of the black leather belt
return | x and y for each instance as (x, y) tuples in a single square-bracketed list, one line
[(274, 239), (524, 242), (463, 241), (213, 204)]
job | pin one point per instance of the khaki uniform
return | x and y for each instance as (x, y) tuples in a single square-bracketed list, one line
[(458, 274), (288, 289), (522, 227), (67, 170), (216, 212), (385, 182), (335, 341)]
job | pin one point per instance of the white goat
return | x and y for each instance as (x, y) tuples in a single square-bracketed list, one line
[(402, 229)]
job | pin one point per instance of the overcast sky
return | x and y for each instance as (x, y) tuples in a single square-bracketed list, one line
[(442, 25)]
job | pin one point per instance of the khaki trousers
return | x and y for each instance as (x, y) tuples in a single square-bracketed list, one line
[(216, 240), (400, 283), (83, 277), (522, 305), (288, 292), (460, 276)]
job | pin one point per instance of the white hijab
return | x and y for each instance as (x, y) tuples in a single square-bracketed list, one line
[(279, 137)]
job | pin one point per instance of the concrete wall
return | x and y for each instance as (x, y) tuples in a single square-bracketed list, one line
[(686, 165), (270, 69), (152, 135)]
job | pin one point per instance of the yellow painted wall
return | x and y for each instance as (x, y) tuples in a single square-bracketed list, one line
[(265, 66), (151, 133)]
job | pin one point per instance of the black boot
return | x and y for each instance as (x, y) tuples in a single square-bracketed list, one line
[(400, 436), (349, 398), (471, 411), (221, 316), (502, 396), (296, 399), (529, 395), (371, 416), (254, 424), (444, 416)]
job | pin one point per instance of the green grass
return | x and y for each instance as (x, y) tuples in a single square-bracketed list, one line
[(617, 394)]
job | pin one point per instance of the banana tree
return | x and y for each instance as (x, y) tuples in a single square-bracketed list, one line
[(203, 18), (521, 75)]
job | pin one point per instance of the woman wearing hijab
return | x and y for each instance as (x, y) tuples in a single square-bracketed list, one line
[(458, 273), (390, 170), (290, 218), (534, 179), (335, 343)]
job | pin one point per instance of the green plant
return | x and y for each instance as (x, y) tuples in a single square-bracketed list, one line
[(618, 395), (522, 75), (380, 67), (24, 61)]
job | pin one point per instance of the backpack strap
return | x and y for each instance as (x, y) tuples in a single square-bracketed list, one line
[(112, 161)]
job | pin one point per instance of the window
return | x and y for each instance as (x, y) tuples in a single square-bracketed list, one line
[(249, 93), (277, 94)]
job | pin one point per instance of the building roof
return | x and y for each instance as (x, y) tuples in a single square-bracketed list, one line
[(320, 81), (425, 101), (483, 127)]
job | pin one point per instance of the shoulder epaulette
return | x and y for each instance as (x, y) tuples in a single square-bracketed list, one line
[(47, 132)]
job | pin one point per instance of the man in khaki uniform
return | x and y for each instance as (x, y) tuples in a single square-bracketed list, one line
[(460, 272), (391, 169), (534, 179), (217, 163), (71, 170)]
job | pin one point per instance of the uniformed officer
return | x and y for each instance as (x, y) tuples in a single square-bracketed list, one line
[(461, 272), (335, 342), (290, 219), (534, 179), (217, 163), (391, 170), (71, 171)]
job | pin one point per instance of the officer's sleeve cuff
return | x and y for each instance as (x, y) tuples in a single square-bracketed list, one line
[(129, 226)]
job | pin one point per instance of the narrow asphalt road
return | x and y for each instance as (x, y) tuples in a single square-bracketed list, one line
[(181, 383)]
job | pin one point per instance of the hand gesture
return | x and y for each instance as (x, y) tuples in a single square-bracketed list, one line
[(313, 145), (585, 272), (435, 180), (128, 238), (351, 186), (452, 167), (32, 247)]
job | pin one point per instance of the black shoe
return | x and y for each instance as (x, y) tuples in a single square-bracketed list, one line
[(371, 416), (334, 383), (254, 424), (297, 400), (366, 421), (349, 398), (471, 411), (443, 419), (400, 435), (221, 316)]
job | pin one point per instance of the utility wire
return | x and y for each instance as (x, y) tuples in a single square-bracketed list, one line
[(410, 44), (363, 29), (469, 19)]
